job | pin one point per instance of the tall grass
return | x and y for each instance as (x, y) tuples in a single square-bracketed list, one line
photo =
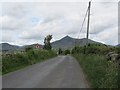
[(100, 72), (20, 60), (0, 65)]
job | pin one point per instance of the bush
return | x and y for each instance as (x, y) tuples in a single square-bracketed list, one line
[(118, 50), (60, 51), (100, 72), (28, 49), (77, 49), (93, 49), (19, 60), (67, 52)]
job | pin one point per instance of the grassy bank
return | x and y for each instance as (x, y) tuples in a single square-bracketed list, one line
[(16, 61), (100, 72), (0, 65)]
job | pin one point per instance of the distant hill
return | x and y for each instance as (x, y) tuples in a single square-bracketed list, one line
[(32, 45), (8, 47), (65, 43), (118, 45), (69, 42)]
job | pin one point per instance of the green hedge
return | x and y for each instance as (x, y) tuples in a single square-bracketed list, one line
[(19, 60), (100, 72), (93, 49)]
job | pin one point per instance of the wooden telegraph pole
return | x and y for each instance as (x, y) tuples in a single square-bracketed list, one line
[(88, 26), (88, 23)]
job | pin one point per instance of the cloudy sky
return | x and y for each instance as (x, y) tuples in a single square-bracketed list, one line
[(23, 23)]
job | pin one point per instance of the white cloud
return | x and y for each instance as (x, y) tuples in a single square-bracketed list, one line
[(59, 0), (7, 36), (108, 36), (31, 22)]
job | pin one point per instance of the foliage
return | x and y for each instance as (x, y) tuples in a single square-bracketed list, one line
[(67, 52), (100, 72), (47, 44), (19, 60), (28, 49), (93, 49), (118, 50), (77, 49), (0, 65), (60, 51)]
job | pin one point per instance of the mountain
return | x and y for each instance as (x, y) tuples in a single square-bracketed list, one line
[(69, 42), (66, 42), (8, 47), (118, 45), (32, 45)]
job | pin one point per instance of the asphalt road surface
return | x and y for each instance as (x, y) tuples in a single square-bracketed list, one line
[(58, 72)]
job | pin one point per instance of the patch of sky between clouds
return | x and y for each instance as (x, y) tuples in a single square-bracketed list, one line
[(34, 20)]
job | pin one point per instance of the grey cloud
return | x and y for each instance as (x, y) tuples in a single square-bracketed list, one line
[(51, 18), (101, 28), (15, 9), (33, 37), (59, 19), (10, 23)]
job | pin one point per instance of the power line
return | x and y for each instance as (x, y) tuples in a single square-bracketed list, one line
[(87, 12), (83, 23)]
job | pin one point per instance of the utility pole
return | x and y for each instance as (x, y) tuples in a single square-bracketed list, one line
[(88, 23), (88, 26)]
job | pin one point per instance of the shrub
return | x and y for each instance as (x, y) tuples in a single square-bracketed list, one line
[(93, 49), (100, 72), (60, 51), (28, 49), (77, 49), (67, 52), (19, 60)]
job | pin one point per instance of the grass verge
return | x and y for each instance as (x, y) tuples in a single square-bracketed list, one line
[(20, 60), (100, 72)]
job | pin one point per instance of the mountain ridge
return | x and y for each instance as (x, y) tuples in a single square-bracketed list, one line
[(69, 42), (7, 47), (66, 42)]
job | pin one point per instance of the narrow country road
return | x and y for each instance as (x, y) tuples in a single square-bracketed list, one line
[(59, 72)]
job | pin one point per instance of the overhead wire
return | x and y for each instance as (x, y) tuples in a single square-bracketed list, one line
[(83, 23)]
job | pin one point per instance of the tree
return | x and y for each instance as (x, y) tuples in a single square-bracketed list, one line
[(77, 49), (67, 52), (59, 51), (47, 44), (28, 49)]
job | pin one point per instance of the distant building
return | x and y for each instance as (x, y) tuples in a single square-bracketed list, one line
[(37, 46)]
